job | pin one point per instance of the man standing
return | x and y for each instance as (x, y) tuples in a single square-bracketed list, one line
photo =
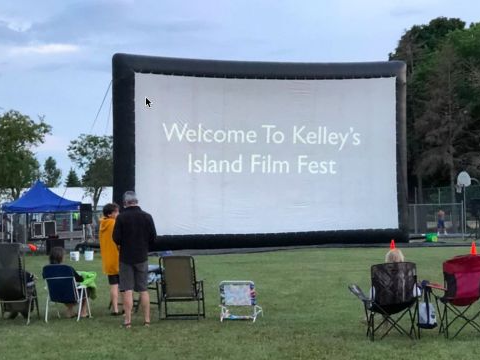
[(134, 233)]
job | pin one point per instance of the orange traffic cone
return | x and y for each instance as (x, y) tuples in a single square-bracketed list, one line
[(392, 244), (473, 249)]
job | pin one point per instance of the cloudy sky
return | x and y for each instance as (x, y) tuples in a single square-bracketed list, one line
[(55, 55)]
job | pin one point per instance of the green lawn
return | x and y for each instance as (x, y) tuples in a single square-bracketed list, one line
[(309, 314)]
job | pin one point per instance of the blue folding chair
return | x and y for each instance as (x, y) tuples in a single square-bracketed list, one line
[(62, 288)]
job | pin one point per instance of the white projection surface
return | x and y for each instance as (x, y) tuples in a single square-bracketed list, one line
[(243, 156)]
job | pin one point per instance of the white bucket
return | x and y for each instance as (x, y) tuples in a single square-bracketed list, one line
[(88, 255), (75, 255)]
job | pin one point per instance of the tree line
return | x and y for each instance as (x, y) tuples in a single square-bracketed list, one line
[(19, 167), (443, 101)]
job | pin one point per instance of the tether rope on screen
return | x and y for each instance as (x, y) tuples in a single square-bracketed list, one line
[(101, 105), (108, 117)]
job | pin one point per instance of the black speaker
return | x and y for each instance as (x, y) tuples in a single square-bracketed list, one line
[(50, 228), (85, 214), (474, 207), (38, 230)]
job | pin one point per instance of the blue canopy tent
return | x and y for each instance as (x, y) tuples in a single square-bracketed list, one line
[(39, 199)]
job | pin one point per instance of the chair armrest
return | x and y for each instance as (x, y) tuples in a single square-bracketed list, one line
[(355, 290), (436, 286)]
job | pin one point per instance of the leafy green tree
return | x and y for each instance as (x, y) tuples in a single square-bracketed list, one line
[(51, 175), (94, 155), (72, 179), (98, 175), (18, 165), (467, 45), (445, 119), (419, 47)]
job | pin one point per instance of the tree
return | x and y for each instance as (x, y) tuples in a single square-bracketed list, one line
[(445, 117), (72, 179), (418, 48), (51, 175), (93, 154), (18, 166), (467, 46), (98, 175)]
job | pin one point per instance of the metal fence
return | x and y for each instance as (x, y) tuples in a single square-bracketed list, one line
[(443, 195), (15, 227), (423, 218)]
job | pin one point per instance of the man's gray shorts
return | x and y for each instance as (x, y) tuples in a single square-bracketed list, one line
[(134, 276)]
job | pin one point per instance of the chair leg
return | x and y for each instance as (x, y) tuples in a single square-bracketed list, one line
[(29, 308), (203, 301), (36, 304), (80, 304), (159, 307), (412, 323), (88, 305), (46, 310), (372, 326), (198, 309), (446, 321), (416, 318)]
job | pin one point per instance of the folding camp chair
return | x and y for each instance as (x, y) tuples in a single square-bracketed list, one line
[(392, 297), (462, 289), (13, 282), (238, 294), (179, 284), (62, 288)]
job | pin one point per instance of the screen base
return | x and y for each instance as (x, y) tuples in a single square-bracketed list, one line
[(225, 241)]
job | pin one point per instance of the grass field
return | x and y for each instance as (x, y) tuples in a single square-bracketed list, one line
[(309, 314)]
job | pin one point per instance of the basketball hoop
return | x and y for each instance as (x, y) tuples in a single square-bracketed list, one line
[(463, 179)]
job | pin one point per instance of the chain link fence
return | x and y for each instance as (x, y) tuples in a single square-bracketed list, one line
[(423, 218), (16, 227), (443, 195)]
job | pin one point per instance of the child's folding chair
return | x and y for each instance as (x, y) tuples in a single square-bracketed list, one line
[(238, 295)]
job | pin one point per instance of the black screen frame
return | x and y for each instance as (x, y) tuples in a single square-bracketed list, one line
[(124, 67)]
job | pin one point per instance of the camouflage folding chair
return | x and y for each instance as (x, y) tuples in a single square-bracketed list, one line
[(393, 295), (238, 295)]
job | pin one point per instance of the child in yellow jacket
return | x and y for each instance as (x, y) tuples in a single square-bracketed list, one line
[(109, 252)]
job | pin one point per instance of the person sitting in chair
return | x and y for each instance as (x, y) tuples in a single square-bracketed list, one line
[(57, 256), (396, 256)]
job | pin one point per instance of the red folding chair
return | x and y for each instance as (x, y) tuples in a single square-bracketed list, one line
[(462, 289)]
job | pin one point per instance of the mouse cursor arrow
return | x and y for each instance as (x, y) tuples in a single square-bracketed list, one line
[(148, 103)]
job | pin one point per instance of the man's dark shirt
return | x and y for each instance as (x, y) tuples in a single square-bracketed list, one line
[(134, 232)]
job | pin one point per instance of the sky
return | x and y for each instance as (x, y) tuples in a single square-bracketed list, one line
[(55, 55)]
